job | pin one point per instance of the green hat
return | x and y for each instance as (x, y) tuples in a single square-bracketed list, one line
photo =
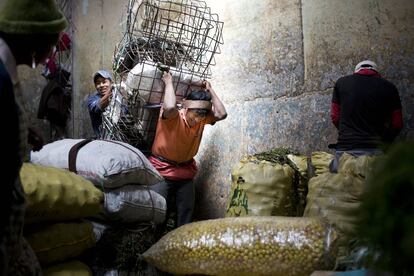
[(31, 17)]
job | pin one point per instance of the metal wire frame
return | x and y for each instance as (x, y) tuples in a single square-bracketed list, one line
[(180, 35)]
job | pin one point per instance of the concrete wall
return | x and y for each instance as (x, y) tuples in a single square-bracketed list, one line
[(275, 75)]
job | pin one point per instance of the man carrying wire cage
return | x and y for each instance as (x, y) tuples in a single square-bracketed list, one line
[(177, 139)]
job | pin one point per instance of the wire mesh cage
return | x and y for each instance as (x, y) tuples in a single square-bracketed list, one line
[(179, 36)]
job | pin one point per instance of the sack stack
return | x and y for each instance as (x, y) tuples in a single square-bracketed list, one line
[(282, 183), (57, 203), (124, 176)]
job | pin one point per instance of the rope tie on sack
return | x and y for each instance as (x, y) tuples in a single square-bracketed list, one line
[(73, 154)]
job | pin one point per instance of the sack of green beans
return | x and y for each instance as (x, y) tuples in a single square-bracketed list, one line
[(285, 246)]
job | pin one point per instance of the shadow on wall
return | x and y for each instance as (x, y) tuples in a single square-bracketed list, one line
[(211, 192)]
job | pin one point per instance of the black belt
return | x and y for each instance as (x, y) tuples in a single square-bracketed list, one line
[(162, 159)]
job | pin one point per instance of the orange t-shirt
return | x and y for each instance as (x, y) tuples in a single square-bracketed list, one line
[(175, 140)]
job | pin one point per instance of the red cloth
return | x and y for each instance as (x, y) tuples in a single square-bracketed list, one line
[(51, 65), (335, 111), (173, 172), (368, 72), (64, 43), (396, 119)]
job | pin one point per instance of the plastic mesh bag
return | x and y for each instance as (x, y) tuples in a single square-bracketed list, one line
[(285, 246)]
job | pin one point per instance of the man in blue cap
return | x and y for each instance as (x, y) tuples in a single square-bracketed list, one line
[(99, 100)]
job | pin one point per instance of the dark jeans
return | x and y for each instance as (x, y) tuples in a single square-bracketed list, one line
[(180, 198), (333, 166)]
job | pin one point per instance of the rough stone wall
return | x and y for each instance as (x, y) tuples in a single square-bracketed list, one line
[(339, 34), (260, 77)]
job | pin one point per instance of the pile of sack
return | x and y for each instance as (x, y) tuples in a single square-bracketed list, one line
[(123, 176), (299, 185), (55, 228)]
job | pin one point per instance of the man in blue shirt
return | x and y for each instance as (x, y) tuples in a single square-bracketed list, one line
[(99, 100)]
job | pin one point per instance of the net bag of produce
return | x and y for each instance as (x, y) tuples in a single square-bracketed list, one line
[(278, 246), (337, 196), (360, 167)]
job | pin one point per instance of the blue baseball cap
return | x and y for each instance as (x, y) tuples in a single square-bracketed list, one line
[(104, 74)]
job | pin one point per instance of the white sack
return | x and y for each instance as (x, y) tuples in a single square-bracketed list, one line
[(107, 164), (146, 78), (132, 203)]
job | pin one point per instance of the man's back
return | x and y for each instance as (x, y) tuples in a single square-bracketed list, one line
[(366, 104)]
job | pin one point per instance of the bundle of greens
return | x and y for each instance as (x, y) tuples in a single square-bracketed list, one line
[(276, 155)]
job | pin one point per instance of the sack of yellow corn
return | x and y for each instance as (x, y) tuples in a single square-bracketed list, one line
[(278, 246), (57, 195)]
